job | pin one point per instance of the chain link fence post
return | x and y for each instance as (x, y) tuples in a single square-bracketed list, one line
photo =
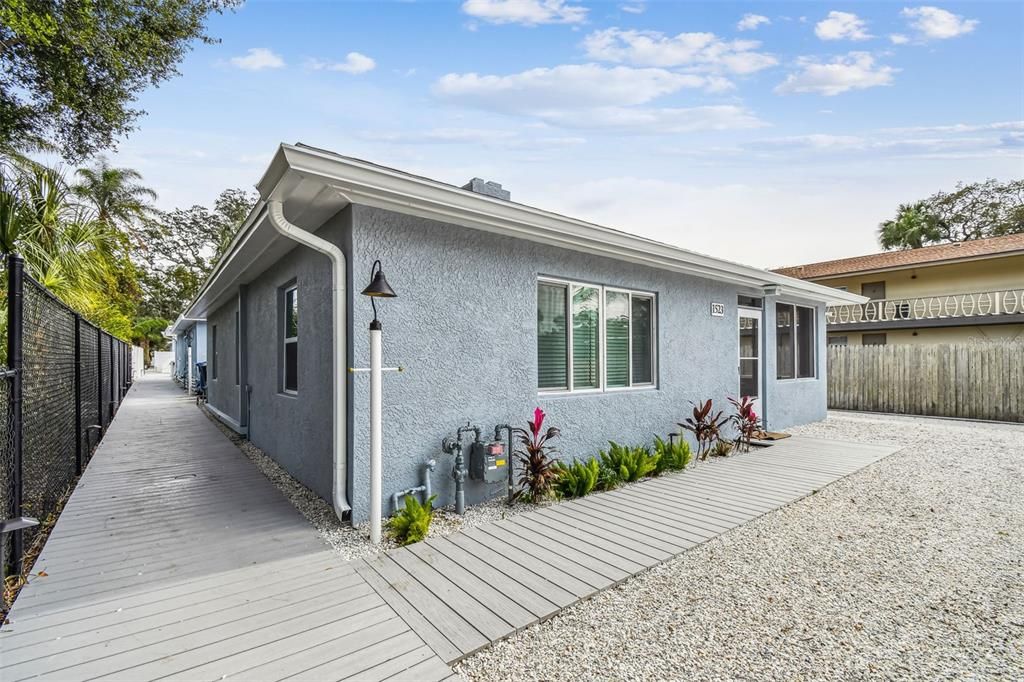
[(15, 362), (78, 395)]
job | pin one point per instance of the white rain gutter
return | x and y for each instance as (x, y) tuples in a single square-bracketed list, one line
[(275, 211)]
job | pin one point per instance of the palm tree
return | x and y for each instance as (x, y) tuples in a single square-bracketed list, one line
[(65, 247), (116, 193), (913, 227)]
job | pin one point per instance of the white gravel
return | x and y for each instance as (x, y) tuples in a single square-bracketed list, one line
[(353, 542), (910, 569)]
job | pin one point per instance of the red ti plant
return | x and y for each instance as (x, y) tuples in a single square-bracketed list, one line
[(745, 421), (536, 465), (705, 427)]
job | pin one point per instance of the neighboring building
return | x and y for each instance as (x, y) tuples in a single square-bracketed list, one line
[(188, 343), (501, 308), (950, 293)]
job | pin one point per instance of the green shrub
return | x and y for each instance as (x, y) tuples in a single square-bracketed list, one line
[(721, 448), (672, 456), (411, 524), (628, 464), (577, 479)]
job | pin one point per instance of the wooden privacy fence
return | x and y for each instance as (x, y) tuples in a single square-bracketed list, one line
[(972, 381)]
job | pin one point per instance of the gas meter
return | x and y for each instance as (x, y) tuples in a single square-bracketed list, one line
[(488, 462)]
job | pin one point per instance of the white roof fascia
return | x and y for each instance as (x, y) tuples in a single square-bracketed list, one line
[(372, 185)]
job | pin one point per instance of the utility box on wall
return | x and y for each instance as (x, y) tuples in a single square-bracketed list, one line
[(488, 462)]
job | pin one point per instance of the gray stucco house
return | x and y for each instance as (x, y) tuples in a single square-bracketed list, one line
[(501, 308)]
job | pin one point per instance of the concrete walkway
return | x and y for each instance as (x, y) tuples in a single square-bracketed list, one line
[(176, 558)]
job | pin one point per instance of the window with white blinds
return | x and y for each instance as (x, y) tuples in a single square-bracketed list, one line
[(593, 338)]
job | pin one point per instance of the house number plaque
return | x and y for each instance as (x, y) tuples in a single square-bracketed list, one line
[(717, 310)]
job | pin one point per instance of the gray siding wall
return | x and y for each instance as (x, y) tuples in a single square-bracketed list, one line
[(464, 326), (295, 430), (222, 392)]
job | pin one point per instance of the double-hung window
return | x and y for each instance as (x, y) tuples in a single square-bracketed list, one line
[(795, 342), (290, 352), (593, 338)]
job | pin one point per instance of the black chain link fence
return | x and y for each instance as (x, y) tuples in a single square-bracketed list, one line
[(70, 377)]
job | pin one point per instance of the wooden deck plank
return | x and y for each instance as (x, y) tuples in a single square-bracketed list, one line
[(502, 581), (175, 556), (477, 616), (430, 606), (475, 583), (544, 585), (336, 667)]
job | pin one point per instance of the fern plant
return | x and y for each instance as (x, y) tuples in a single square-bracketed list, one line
[(412, 523), (629, 463), (577, 479), (672, 456)]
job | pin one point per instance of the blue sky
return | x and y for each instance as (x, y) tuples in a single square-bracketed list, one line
[(769, 133)]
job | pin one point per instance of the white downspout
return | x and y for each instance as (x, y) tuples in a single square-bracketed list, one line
[(275, 211)]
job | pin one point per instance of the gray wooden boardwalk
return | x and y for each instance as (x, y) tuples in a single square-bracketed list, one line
[(176, 558), (465, 591)]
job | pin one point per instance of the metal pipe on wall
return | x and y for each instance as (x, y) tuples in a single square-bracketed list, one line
[(275, 212)]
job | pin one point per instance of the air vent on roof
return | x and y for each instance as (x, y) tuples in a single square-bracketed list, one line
[(491, 189)]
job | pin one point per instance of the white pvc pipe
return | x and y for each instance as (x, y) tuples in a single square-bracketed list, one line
[(275, 211), (188, 386), (376, 407)]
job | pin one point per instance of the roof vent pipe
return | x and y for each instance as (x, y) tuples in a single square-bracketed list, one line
[(275, 212)]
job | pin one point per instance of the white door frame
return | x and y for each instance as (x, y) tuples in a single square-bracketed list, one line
[(753, 313)]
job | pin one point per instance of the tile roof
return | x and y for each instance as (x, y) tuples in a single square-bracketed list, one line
[(975, 248)]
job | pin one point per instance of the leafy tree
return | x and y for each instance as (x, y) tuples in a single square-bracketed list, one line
[(117, 194), (148, 332), (182, 246), (975, 211), (70, 69)]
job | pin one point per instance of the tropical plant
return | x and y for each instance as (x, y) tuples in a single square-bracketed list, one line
[(629, 464), (672, 455), (705, 426), (148, 332), (577, 479), (77, 258), (721, 448), (117, 194), (412, 522), (745, 422), (537, 471)]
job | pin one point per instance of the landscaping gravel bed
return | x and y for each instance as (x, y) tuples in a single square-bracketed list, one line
[(353, 542), (910, 569)]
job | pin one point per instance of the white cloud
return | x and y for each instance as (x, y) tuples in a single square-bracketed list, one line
[(855, 71), (898, 39), (633, 8), (569, 86), (355, 63), (842, 26), (526, 12), (701, 50), (959, 128), (750, 22), (257, 59), (656, 120), (938, 24), (506, 139)]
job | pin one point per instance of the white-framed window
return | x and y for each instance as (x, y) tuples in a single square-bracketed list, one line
[(796, 348), (290, 352), (594, 338)]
